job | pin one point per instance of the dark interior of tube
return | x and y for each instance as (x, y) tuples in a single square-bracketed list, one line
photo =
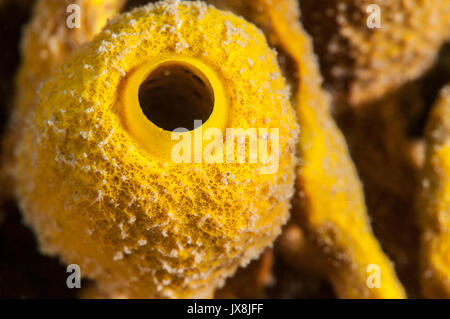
[(174, 95)]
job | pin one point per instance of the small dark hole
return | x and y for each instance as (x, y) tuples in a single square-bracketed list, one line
[(174, 95)]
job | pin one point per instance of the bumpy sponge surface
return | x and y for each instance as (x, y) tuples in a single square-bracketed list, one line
[(367, 63), (139, 224), (47, 42), (434, 203)]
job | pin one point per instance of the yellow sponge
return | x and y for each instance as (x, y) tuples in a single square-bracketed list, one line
[(100, 193), (47, 42), (434, 203), (329, 191)]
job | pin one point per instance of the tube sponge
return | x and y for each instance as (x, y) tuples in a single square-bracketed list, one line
[(99, 195), (434, 203)]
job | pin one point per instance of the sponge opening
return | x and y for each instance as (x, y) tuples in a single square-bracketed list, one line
[(174, 95)]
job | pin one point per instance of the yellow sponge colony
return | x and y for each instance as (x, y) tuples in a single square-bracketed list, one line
[(101, 195), (434, 204)]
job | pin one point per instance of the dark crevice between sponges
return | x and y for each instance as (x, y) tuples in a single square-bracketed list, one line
[(430, 86), (131, 4), (13, 15)]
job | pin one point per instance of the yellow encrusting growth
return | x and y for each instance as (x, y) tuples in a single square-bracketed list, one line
[(47, 42), (138, 223), (329, 190), (434, 203), (328, 185)]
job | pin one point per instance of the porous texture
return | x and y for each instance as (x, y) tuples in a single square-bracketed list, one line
[(143, 226), (48, 41), (361, 64), (329, 192), (434, 203)]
